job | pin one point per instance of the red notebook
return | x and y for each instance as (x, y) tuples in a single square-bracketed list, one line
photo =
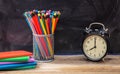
[(14, 54)]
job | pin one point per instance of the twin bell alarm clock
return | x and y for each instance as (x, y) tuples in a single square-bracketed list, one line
[(95, 43)]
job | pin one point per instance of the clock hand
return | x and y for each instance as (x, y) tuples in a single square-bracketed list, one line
[(92, 48), (95, 42)]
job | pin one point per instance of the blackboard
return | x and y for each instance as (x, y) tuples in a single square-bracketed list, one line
[(75, 16)]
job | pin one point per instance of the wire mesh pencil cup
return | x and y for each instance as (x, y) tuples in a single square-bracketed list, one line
[(43, 47)]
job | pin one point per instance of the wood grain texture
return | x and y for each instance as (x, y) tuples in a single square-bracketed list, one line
[(73, 64)]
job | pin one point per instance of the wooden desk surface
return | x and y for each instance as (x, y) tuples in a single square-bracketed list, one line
[(72, 64)]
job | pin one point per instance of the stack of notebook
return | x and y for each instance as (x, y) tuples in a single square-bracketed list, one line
[(15, 60)]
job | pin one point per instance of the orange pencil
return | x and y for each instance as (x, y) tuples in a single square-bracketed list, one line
[(53, 24), (56, 20)]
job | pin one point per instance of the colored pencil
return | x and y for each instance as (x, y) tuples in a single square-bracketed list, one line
[(43, 23)]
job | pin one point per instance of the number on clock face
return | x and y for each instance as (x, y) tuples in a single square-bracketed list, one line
[(94, 47)]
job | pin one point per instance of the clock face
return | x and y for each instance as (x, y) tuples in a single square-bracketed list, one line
[(95, 47)]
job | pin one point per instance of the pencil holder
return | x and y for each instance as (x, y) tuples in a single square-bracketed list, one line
[(43, 47)]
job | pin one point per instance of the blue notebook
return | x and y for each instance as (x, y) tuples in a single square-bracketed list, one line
[(17, 65)]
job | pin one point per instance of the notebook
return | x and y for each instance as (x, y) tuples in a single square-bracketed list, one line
[(14, 54), (30, 60), (23, 68), (17, 66), (16, 59)]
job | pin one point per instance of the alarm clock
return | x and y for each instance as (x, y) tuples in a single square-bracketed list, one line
[(96, 41)]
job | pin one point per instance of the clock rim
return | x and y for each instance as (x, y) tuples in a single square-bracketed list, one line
[(107, 43)]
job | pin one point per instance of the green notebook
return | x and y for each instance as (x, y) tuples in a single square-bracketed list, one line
[(16, 59), (25, 67)]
